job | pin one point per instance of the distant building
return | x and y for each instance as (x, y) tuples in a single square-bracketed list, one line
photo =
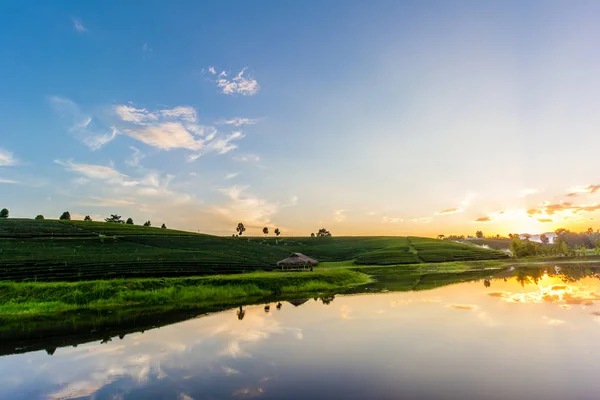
[(297, 262)]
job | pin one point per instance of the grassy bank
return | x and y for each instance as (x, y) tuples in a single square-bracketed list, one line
[(24, 300)]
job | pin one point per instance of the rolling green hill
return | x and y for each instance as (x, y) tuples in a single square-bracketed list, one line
[(48, 250)]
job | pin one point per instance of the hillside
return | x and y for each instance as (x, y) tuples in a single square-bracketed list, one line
[(77, 250)]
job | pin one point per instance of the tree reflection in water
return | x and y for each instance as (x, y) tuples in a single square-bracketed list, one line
[(241, 313)]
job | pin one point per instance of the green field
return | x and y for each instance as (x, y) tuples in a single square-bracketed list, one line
[(52, 250)]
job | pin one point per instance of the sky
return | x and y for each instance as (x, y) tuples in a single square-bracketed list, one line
[(364, 118)]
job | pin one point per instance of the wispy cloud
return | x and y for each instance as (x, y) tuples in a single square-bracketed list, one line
[(78, 25), (391, 220), (95, 201), (238, 121), (146, 48), (135, 158), (7, 159), (240, 84), (9, 181), (484, 219), (232, 175), (82, 125), (545, 220), (256, 212), (247, 158), (583, 189), (528, 192), (449, 211), (340, 215), (422, 220), (99, 173)]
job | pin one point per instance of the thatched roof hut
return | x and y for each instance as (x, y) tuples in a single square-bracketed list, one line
[(297, 262)]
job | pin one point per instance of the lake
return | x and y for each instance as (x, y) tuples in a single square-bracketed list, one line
[(526, 334)]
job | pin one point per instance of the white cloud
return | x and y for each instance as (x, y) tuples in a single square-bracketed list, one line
[(219, 146), (238, 85), (339, 215), (135, 158), (8, 181), (212, 70), (231, 175), (139, 116), (95, 201), (166, 136), (238, 121), (527, 192), (184, 113), (253, 210), (247, 158), (423, 220), (391, 220), (78, 25), (7, 159), (99, 172), (96, 142)]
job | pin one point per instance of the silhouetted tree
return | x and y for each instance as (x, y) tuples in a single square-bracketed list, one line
[(312, 235), (87, 218), (66, 216), (40, 217), (323, 233), (544, 239), (265, 231), (479, 235), (277, 232), (164, 226), (4, 213), (147, 223), (114, 218), (441, 236), (240, 229), (129, 221)]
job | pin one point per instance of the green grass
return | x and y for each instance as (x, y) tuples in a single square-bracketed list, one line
[(52, 250), (19, 300)]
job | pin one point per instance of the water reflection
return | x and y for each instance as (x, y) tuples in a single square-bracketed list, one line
[(524, 326)]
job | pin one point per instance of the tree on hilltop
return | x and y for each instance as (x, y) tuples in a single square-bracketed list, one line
[(240, 229), (39, 217), (265, 231), (4, 213), (66, 216), (479, 235), (164, 226), (312, 234), (114, 218), (129, 221), (277, 232), (87, 218), (323, 233), (148, 223)]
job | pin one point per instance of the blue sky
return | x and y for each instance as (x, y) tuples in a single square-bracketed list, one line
[(386, 117)]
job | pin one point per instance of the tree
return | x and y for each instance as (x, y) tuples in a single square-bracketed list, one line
[(479, 235), (66, 216), (164, 226), (265, 231), (40, 217), (240, 229), (129, 221), (114, 218), (87, 218), (147, 223), (323, 233), (544, 239), (312, 235), (4, 213), (277, 232), (441, 236)]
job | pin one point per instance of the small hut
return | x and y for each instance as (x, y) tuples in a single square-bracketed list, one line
[(297, 262)]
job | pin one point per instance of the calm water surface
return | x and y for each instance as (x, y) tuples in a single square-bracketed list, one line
[(513, 339)]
